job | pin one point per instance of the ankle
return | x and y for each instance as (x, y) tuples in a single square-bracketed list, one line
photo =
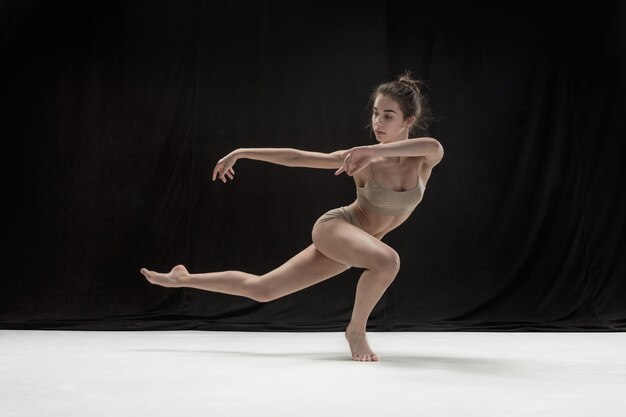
[(354, 329), (183, 280)]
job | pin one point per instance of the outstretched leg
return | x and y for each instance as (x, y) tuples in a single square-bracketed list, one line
[(305, 269), (228, 282)]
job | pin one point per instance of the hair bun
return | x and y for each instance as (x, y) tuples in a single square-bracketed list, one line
[(406, 80)]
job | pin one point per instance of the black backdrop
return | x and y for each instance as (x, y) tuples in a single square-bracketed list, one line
[(115, 113)]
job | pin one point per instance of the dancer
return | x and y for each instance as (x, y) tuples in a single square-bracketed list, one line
[(390, 178)]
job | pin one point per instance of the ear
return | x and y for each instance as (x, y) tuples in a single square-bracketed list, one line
[(410, 121)]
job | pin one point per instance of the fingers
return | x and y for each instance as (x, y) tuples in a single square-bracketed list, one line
[(347, 171), (218, 168), (346, 163), (230, 173)]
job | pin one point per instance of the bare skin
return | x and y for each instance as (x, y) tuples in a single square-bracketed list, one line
[(179, 276), (337, 245), (360, 349), (172, 279)]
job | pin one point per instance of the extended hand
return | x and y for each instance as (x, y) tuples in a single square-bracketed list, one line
[(225, 167), (356, 159)]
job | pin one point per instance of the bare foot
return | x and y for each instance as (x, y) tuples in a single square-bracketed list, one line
[(361, 350), (172, 279)]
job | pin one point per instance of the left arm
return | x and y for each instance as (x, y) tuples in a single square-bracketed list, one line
[(356, 159), (410, 147)]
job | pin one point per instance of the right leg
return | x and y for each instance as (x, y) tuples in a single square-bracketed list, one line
[(348, 244), (305, 269)]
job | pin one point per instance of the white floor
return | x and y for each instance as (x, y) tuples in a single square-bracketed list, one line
[(201, 373)]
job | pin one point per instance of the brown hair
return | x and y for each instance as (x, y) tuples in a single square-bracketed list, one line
[(409, 95)]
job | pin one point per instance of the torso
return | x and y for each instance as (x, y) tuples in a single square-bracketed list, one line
[(394, 176)]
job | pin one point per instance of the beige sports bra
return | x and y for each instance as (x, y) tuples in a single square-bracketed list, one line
[(388, 202)]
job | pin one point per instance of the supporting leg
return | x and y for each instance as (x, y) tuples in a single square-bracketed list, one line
[(370, 288)]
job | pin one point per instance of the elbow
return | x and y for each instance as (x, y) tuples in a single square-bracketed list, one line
[(439, 149), (431, 147), (295, 157), (436, 156), (427, 146)]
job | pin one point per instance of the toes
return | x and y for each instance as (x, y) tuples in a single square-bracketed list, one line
[(366, 358)]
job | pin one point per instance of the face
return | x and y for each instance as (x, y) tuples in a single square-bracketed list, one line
[(387, 120)]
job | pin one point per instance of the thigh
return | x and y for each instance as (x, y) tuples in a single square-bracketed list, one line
[(307, 268), (350, 245)]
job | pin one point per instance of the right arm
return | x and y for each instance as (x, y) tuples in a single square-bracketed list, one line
[(293, 157)]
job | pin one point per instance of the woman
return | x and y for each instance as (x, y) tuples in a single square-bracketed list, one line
[(390, 177)]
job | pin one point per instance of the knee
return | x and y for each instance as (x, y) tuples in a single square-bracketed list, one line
[(389, 262), (259, 291)]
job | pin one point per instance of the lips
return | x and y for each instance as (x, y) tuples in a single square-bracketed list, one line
[(379, 132)]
